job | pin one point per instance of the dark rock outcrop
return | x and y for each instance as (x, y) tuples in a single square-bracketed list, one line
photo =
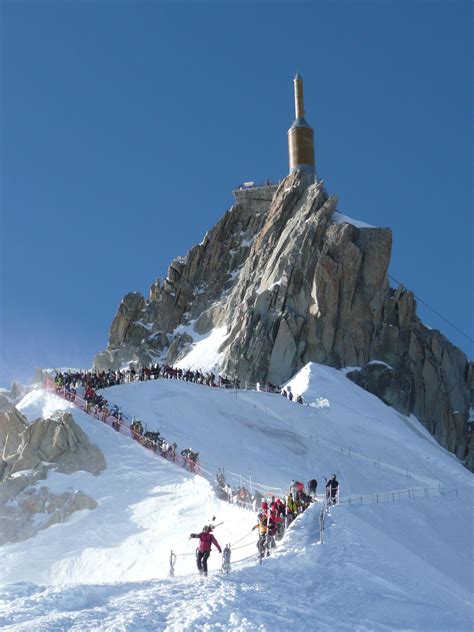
[(292, 281), (391, 386)]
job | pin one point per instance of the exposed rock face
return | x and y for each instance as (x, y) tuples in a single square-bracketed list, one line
[(34, 510), (392, 387), (12, 427), (55, 442), (292, 285), (28, 452)]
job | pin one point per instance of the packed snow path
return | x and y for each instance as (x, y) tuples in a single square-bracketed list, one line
[(343, 585), (402, 565)]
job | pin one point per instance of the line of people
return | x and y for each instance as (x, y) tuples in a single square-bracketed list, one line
[(68, 382), (297, 500), (276, 515), (95, 379), (97, 405), (273, 516), (289, 395)]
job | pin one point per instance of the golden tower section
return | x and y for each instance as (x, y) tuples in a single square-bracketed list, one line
[(299, 98), (300, 135)]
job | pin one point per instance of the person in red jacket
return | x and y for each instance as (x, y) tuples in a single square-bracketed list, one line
[(206, 540)]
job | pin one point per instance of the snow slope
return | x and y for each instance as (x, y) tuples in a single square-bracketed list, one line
[(402, 563)]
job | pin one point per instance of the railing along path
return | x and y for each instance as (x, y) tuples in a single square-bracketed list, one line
[(123, 426)]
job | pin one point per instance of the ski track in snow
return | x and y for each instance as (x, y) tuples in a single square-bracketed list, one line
[(404, 565)]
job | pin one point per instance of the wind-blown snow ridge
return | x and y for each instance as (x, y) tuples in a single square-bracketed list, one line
[(395, 565), (340, 218)]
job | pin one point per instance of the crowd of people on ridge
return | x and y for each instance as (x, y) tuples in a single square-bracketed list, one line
[(103, 379), (95, 379), (96, 404), (274, 514)]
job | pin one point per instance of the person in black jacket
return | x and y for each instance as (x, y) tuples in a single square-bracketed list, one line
[(332, 487), (312, 487)]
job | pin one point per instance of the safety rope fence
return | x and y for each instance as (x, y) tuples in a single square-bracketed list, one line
[(392, 496), (376, 462), (123, 426), (336, 447), (209, 471), (227, 551)]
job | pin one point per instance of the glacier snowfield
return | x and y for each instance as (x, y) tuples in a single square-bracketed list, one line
[(398, 556)]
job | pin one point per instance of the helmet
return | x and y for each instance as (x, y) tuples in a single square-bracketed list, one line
[(206, 527)]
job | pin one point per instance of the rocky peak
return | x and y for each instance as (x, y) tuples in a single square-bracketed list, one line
[(293, 281)]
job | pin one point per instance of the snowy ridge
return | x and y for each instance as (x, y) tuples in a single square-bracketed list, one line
[(393, 565)]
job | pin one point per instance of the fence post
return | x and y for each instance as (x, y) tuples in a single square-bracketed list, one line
[(172, 563)]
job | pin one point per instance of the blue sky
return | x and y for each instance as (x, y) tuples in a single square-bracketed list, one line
[(125, 127)]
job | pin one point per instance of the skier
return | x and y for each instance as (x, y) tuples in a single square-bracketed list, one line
[(332, 487), (206, 540)]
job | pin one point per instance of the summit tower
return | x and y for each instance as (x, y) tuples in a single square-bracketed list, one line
[(301, 135)]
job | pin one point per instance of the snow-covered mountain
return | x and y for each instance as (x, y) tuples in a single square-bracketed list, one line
[(397, 551), (284, 279)]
